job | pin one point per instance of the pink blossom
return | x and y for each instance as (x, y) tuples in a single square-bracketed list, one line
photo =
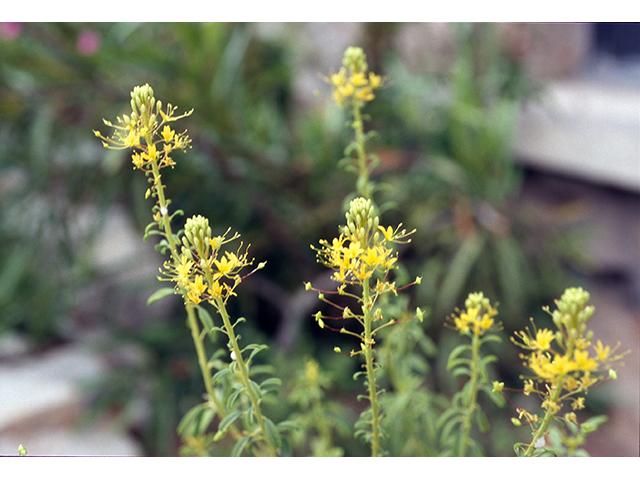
[(88, 42), (10, 30)]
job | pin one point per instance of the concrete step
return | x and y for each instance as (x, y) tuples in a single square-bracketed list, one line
[(41, 402)]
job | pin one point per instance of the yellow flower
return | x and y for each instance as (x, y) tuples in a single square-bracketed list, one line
[(215, 289), (602, 353), (358, 79), (375, 80), (183, 271), (365, 94), (195, 289), (583, 361), (562, 365), (483, 324), (167, 133), (577, 404), (543, 339), (132, 139), (353, 81), (374, 256), (138, 161), (227, 265), (528, 387), (462, 321), (339, 79)]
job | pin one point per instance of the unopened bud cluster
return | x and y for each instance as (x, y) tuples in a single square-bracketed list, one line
[(361, 220)]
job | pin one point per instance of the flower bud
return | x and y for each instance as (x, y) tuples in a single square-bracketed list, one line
[(355, 60)]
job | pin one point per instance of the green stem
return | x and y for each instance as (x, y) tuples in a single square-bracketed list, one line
[(473, 396), (205, 367), (244, 373), (371, 379), (556, 392), (363, 185), (555, 396), (162, 203)]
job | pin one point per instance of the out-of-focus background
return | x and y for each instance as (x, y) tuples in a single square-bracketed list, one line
[(513, 149)]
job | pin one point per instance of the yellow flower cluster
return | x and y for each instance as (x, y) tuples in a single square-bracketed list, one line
[(202, 268), (478, 316), (362, 247), (566, 360), (141, 130), (354, 83)]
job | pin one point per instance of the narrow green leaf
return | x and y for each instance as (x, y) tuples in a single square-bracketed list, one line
[(273, 436), (481, 420), (491, 338), (207, 321), (228, 420), (205, 420), (459, 270), (256, 389), (220, 374), (456, 372), (160, 293), (488, 359), (239, 446), (255, 350), (458, 361), (270, 384), (285, 449), (458, 350), (288, 425), (233, 397), (187, 426)]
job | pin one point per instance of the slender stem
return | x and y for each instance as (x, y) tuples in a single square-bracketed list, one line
[(473, 395), (244, 372), (371, 379), (363, 186), (555, 395), (205, 367)]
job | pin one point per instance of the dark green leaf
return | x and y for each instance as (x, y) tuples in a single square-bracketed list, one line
[(273, 437)]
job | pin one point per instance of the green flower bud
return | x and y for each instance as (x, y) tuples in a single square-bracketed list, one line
[(197, 230), (355, 60)]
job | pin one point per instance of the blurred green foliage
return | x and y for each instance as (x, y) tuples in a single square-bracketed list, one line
[(459, 185), (268, 170)]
